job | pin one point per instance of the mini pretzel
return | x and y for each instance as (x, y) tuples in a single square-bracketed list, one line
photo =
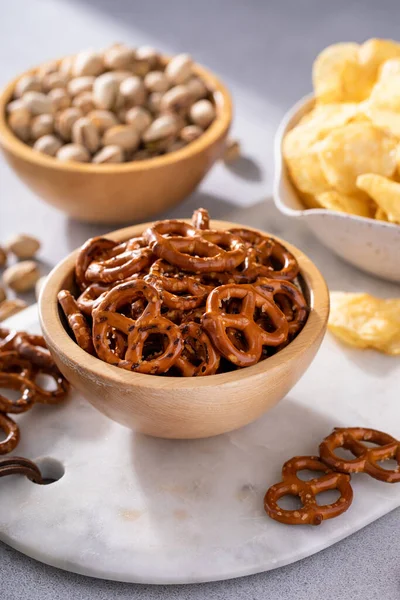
[(310, 513), (34, 349), (15, 465), (134, 257), (76, 321), (89, 298), (196, 346), (11, 430), (106, 317), (193, 250), (13, 381), (288, 298), (366, 458), (51, 396), (93, 249), (7, 338), (216, 321), (266, 257), (201, 219), (177, 282), (12, 362)]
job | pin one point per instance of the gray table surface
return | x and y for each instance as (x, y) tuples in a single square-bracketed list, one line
[(264, 51)]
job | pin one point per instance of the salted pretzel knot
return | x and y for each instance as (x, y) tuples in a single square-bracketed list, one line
[(11, 431), (193, 250), (310, 513), (366, 458), (106, 319), (201, 219), (217, 321)]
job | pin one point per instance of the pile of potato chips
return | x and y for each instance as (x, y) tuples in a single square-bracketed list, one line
[(364, 321), (345, 154)]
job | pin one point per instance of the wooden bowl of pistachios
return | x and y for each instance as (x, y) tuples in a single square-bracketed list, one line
[(114, 136)]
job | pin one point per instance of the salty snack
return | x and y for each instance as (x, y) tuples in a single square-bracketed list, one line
[(344, 154), (310, 513), (364, 321), (183, 299), (16, 465), (114, 106), (366, 459), (22, 358)]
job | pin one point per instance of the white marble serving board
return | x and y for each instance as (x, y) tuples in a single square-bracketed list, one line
[(138, 509)]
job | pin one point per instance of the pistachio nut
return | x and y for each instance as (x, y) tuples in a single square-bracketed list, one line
[(47, 144), (87, 62), (19, 121), (177, 99), (22, 276), (65, 120), (119, 57), (102, 119), (190, 133), (156, 81), (85, 102), (60, 99), (124, 136), (133, 91), (85, 134), (202, 113), (37, 103), (54, 80), (197, 88), (139, 118), (162, 127), (179, 69), (105, 91), (23, 246), (27, 83), (73, 153), (77, 85), (41, 125), (109, 154)]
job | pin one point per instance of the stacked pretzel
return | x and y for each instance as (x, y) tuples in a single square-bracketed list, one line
[(336, 473), (23, 357), (184, 299)]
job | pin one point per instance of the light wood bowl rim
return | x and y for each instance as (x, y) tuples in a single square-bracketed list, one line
[(218, 128), (99, 370)]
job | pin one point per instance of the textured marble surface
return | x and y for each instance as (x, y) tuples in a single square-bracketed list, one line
[(133, 508), (264, 55)]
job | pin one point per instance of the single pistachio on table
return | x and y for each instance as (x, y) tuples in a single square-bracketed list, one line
[(85, 102), (60, 99), (156, 81), (23, 246), (133, 91), (27, 83), (232, 151), (3, 295), (37, 103), (3, 256), (73, 153), (179, 69), (45, 69), (20, 123), (190, 133), (65, 120), (139, 118), (124, 136), (87, 62), (41, 125), (8, 308), (109, 154), (47, 144), (22, 276), (85, 134), (177, 99), (106, 91), (54, 80), (197, 88), (202, 113), (77, 85), (119, 57), (102, 119)]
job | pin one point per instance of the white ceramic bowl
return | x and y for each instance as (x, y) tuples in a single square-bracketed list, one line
[(373, 246)]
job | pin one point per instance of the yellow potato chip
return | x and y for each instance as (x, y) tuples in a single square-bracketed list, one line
[(374, 52), (338, 75), (364, 321), (386, 94), (309, 200), (355, 149), (352, 205), (388, 68), (325, 117), (300, 150), (385, 192), (387, 120), (380, 215)]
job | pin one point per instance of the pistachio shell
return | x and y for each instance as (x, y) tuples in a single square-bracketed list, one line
[(48, 144), (121, 135), (73, 153), (23, 246), (202, 113), (22, 276), (109, 154), (139, 118), (41, 125), (37, 103), (85, 134), (27, 83), (179, 69)]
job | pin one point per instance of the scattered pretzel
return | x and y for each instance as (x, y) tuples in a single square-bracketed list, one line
[(12, 381), (76, 321), (216, 321), (11, 430), (366, 459), (310, 513), (15, 465), (201, 219), (34, 349), (7, 338)]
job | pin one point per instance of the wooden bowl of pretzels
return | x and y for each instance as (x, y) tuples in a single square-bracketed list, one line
[(184, 329)]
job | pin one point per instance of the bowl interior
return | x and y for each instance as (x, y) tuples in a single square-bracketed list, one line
[(53, 324), (218, 128)]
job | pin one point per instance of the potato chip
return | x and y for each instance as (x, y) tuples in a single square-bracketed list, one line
[(388, 68), (309, 200), (385, 192), (386, 94), (364, 321), (387, 120), (354, 149), (338, 75), (374, 52), (380, 214), (300, 149), (325, 117), (352, 205)]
